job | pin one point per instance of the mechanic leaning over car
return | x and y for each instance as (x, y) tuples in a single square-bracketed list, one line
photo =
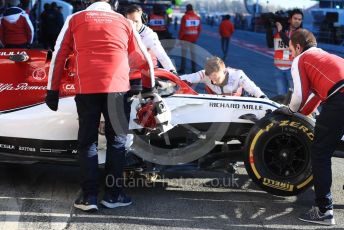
[(103, 41), (319, 77), (223, 80), (16, 29)]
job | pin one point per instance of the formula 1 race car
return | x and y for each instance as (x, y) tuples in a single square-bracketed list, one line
[(209, 131)]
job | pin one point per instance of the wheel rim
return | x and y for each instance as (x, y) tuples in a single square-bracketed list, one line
[(285, 156)]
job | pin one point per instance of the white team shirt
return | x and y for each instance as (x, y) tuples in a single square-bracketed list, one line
[(151, 40), (236, 79)]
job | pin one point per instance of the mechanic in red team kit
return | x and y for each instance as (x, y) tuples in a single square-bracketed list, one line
[(103, 41), (189, 32), (223, 80), (319, 77), (158, 22), (16, 29)]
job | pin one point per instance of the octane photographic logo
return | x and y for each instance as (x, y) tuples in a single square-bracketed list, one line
[(192, 143)]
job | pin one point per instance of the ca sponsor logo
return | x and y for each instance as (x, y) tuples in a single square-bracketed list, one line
[(69, 87)]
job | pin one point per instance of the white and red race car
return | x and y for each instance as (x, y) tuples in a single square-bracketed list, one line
[(209, 131)]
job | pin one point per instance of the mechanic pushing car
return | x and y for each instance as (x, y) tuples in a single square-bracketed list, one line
[(102, 79), (223, 80), (317, 72)]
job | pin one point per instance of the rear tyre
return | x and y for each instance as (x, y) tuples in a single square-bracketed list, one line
[(278, 156)]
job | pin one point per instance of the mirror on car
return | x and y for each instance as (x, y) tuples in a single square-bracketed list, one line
[(19, 57)]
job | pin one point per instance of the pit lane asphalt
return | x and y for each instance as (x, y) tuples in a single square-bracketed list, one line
[(41, 196)]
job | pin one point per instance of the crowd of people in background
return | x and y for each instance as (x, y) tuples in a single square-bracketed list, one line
[(51, 22), (19, 27), (39, 29), (47, 24)]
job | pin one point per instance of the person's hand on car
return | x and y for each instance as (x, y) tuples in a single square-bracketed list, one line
[(285, 110)]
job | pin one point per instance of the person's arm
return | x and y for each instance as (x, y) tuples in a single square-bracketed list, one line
[(310, 106), (63, 48), (142, 58), (249, 85), (297, 98), (159, 51), (198, 77), (29, 28), (199, 28)]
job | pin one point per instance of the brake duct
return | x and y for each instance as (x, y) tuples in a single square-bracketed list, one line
[(154, 114)]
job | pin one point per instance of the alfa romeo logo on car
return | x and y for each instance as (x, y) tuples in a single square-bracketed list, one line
[(39, 74)]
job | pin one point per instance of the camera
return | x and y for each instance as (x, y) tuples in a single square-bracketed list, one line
[(269, 20)]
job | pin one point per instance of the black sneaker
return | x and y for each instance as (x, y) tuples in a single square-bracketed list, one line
[(315, 216), (111, 201), (86, 203)]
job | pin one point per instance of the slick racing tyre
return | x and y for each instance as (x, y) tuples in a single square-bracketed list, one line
[(278, 156)]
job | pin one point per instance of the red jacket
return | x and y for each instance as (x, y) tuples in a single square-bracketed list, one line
[(315, 72), (226, 28), (190, 27), (16, 27), (103, 42), (157, 22)]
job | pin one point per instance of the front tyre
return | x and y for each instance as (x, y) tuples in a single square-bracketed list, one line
[(278, 156)]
